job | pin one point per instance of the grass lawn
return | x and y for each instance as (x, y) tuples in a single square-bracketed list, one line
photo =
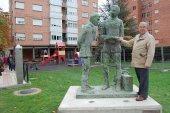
[(54, 85)]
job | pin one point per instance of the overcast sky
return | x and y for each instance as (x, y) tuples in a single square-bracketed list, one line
[(4, 4)]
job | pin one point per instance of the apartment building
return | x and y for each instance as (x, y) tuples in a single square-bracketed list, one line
[(156, 14), (39, 24)]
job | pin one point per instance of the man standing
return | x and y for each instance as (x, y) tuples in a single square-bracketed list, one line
[(112, 29), (11, 63), (142, 56), (87, 35), (1, 64)]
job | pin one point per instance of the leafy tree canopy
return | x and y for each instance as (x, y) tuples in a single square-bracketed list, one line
[(4, 32)]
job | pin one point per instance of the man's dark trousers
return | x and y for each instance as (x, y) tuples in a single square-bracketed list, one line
[(143, 78)]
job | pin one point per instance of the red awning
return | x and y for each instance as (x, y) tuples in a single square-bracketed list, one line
[(60, 44)]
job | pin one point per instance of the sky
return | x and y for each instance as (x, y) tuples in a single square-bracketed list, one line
[(4, 4)]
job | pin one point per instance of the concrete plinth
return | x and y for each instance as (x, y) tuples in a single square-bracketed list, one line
[(71, 104)]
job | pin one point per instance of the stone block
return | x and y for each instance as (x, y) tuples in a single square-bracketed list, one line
[(71, 104), (127, 82)]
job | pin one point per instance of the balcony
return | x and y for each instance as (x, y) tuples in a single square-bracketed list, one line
[(55, 15), (56, 2), (70, 42), (72, 30), (72, 18), (73, 5)]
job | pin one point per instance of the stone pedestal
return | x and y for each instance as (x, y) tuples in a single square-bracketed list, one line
[(71, 104)]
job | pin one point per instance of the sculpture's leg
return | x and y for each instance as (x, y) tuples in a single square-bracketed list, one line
[(118, 66), (106, 70), (85, 73)]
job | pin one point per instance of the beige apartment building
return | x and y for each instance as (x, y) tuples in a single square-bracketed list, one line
[(39, 24)]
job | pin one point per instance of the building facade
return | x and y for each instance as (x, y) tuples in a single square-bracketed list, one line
[(39, 24), (156, 14)]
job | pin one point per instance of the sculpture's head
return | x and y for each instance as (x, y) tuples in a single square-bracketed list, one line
[(114, 10), (94, 19)]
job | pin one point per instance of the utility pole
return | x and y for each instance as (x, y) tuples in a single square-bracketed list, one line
[(163, 60)]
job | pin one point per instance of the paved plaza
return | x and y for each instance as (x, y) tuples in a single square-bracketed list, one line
[(8, 78)]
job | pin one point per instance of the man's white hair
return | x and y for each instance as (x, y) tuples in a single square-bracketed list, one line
[(144, 23)]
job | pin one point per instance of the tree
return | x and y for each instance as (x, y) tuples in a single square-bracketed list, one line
[(4, 32), (129, 23)]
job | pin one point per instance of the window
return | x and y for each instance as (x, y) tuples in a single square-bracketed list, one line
[(134, 7), (55, 25), (54, 37), (20, 36), (94, 5), (149, 23), (72, 38), (58, 37), (20, 21), (147, 5), (37, 37), (72, 24), (143, 15), (72, 13), (144, 6), (19, 5), (37, 22), (148, 14), (37, 7), (156, 1), (156, 11), (85, 15), (85, 2), (73, 1), (156, 21)]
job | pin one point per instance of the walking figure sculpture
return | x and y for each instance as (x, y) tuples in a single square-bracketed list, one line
[(112, 29), (87, 35)]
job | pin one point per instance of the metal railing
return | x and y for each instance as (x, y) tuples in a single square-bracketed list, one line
[(161, 59), (25, 72)]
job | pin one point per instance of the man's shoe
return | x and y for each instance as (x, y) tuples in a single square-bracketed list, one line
[(140, 98)]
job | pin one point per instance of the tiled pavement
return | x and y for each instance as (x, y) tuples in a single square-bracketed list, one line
[(8, 78)]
